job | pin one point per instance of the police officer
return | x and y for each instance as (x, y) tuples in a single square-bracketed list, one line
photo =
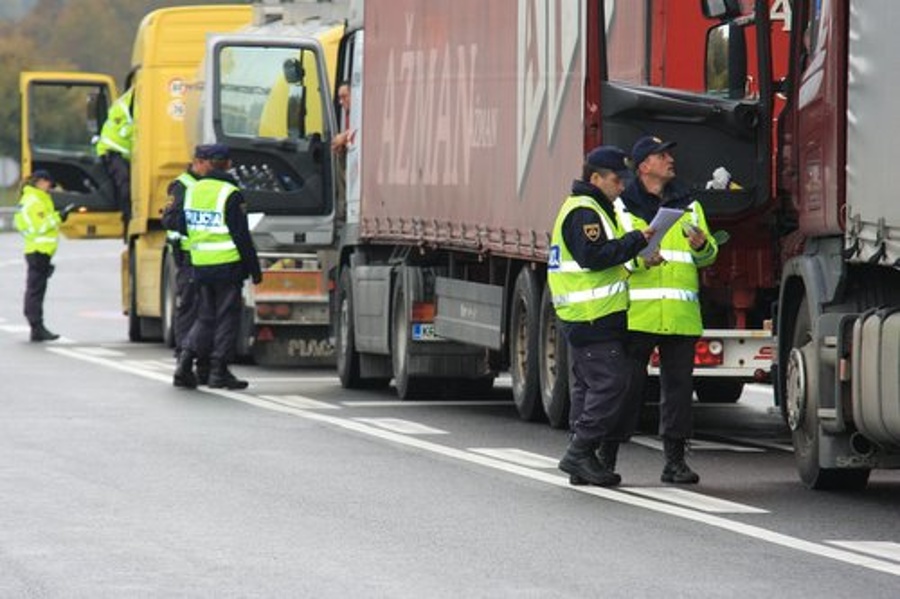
[(185, 287), (114, 148), (38, 222), (588, 282), (222, 256), (665, 306)]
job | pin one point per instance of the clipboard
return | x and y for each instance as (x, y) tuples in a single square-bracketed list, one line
[(662, 222)]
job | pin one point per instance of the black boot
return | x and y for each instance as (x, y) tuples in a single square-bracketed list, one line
[(607, 454), (580, 463), (676, 469), (222, 378), (184, 372), (202, 371), (40, 333)]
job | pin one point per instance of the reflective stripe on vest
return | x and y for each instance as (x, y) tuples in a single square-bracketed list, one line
[(187, 180), (579, 294), (208, 234)]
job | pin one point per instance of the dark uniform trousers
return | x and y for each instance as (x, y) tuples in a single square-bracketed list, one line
[(185, 298), (676, 381), (599, 380), (218, 318), (119, 170), (39, 270)]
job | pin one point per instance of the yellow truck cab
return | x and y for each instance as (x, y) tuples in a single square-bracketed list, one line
[(62, 114)]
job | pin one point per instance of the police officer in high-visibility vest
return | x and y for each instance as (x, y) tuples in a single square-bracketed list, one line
[(114, 148), (38, 221), (185, 312), (222, 256), (588, 281), (665, 305)]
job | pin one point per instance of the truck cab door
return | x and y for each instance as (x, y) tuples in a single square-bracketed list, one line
[(62, 114), (661, 76), (269, 100)]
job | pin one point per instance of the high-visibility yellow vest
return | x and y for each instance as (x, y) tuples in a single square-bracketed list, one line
[(38, 221), (209, 240), (580, 294), (117, 132), (188, 180), (665, 299)]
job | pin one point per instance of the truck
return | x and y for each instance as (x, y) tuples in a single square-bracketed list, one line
[(838, 309), (470, 121), (285, 318)]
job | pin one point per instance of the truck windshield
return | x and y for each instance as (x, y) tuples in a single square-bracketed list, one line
[(66, 118), (269, 93)]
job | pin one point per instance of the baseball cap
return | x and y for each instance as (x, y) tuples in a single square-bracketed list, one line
[(211, 152), (649, 145), (43, 173), (608, 157)]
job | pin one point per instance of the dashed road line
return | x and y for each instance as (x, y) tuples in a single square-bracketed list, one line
[(696, 501), (517, 456), (882, 549), (405, 427)]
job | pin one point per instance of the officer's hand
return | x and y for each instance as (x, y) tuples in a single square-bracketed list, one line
[(648, 233), (655, 259)]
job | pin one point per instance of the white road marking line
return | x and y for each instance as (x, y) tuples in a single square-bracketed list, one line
[(124, 366), (297, 379), (553, 479), (421, 404), (517, 456), (697, 501), (300, 402), (399, 425), (101, 352), (883, 549), (696, 445), (152, 365), (15, 328)]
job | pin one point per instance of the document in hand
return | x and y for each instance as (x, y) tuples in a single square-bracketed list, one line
[(662, 222)]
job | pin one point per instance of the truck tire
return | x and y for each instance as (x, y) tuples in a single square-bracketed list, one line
[(553, 365), (803, 407), (524, 331), (715, 390), (408, 387), (167, 300), (345, 347)]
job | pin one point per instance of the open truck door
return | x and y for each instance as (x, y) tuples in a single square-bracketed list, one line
[(704, 81), (62, 114)]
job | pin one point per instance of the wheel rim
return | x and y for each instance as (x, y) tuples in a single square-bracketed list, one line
[(796, 389), (521, 341), (549, 355)]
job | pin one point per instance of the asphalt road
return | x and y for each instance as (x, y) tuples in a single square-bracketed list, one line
[(115, 484)]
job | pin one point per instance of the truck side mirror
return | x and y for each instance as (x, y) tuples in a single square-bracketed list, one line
[(293, 71), (726, 61)]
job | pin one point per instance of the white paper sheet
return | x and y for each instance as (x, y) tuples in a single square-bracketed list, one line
[(662, 222)]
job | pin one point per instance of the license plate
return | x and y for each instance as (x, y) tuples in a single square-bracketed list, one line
[(423, 332)]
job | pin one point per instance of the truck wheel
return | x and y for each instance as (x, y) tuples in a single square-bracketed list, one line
[(718, 390), (167, 301), (345, 348), (802, 410), (554, 366), (408, 387), (524, 330)]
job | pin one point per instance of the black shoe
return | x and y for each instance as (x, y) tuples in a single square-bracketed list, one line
[(202, 372), (40, 333), (676, 469), (580, 463), (222, 378), (184, 372)]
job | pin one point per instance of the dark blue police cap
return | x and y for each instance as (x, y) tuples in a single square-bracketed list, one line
[(608, 157), (211, 152), (42, 173), (649, 145)]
